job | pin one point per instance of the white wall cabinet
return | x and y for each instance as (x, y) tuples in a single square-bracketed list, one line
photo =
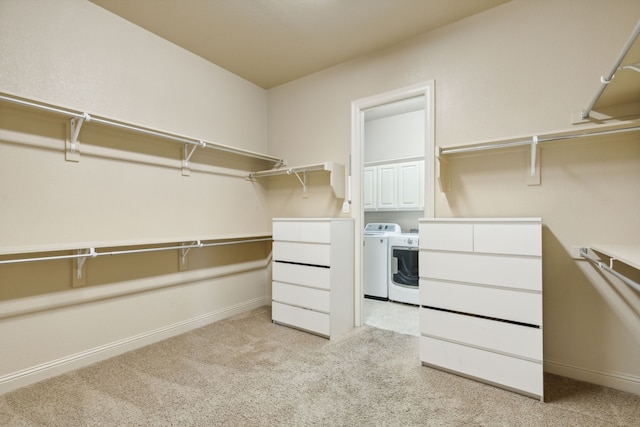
[(313, 274), (394, 186), (387, 187), (369, 178), (481, 300)]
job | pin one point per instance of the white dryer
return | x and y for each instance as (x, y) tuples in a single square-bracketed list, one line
[(375, 259), (403, 269)]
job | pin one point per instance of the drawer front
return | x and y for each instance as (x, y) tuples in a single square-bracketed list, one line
[(316, 277), (504, 337), (288, 231), (516, 239), (446, 237), (309, 320), (524, 307), (318, 232), (302, 231), (510, 272), (497, 368), (304, 253), (315, 299)]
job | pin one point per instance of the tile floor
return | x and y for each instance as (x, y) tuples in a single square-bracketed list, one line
[(393, 316)]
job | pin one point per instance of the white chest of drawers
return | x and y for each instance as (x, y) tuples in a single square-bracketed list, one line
[(481, 300), (312, 286)]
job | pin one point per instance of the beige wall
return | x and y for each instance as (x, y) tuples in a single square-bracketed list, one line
[(519, 69), (126, 188)]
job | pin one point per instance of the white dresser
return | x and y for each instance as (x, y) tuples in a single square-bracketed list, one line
[(481, 300), (313, 274)]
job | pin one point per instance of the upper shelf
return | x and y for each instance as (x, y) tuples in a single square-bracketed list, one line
[(531, 143), (78, 119), (628, 254), (618, 96), (336, 177)]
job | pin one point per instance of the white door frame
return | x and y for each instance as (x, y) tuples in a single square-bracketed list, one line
[(357, 155)]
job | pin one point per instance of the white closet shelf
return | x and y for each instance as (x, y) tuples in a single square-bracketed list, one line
[(86, 250), (78, 119), (532, 143), (336, 171), (71, 246), (619, 90), (626, 254)]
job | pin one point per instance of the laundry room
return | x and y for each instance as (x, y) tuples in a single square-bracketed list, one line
[(393, 202)]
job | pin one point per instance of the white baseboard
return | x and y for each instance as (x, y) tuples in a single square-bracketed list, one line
[(72, 362), (619, 381)]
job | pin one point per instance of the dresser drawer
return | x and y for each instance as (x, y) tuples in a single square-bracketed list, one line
[(446, 237), (515, 239), (500, 369), (308, 320), (517, 306), (504, 337), (304, 253), (496, 270), (302, 231), (315, 299), (316, 277)]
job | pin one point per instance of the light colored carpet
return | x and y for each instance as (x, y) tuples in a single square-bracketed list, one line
[(247, 371)]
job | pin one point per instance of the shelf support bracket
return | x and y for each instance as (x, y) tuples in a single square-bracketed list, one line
[(79, 276), (184, 251), (443, 172), (72, 151), (302, 180), (186, 156), (533, 177)]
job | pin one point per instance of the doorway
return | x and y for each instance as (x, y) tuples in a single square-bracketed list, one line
[(403, 102)]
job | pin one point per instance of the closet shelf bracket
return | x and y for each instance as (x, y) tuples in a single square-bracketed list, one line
[(82, 258), (186, 156), (72, 152), (533, 178), (185, 250), (302, 180)]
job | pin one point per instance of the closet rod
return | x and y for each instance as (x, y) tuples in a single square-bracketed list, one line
[(289, 171), (93, 254), (606, 80), (235, 242), (445, 150), (142, 130), (584, 254), (46, 258)]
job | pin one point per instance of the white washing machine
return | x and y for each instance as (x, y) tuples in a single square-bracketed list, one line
[(403, 269), (375, 259)]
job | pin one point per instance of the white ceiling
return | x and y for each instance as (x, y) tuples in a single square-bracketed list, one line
[(271, 42)]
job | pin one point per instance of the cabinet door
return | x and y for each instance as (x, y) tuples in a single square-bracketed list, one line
[(387, 184), (409, 187), (369, 184)]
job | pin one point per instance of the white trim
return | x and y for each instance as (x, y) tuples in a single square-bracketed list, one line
[(72, 362), (619, 381), (357, 123)]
